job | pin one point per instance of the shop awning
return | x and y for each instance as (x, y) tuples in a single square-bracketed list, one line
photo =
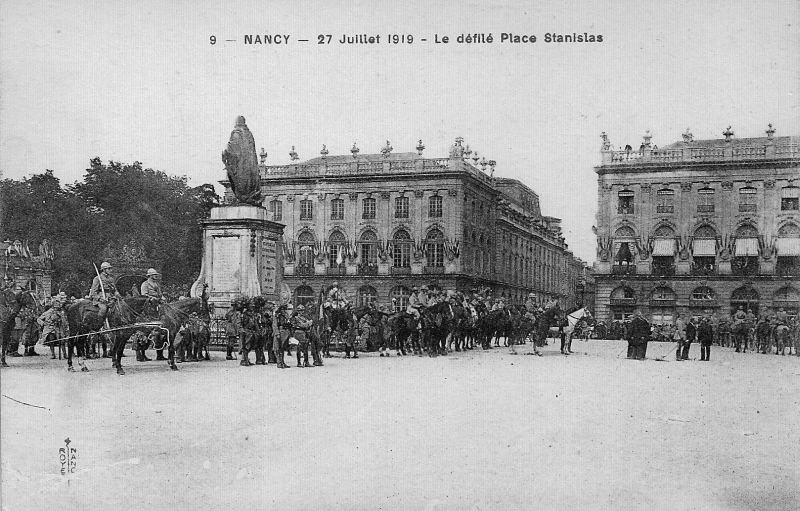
[(704, 248), (746, 247), (663, 247), (788, 247)]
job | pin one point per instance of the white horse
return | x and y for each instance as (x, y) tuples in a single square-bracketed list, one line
[(572, 320)]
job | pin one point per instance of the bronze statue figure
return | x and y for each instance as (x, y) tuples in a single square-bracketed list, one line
[(241, 162)]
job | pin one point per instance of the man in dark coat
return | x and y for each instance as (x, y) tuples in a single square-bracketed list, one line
[(691, 335), (705, 335), (638, 334)]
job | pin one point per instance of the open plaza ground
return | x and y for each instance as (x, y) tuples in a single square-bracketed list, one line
[(477, 430)]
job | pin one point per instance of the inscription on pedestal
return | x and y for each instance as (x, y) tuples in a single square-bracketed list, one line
[(268, 263), (226, 265)]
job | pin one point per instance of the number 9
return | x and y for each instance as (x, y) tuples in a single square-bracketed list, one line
[(213, 39)]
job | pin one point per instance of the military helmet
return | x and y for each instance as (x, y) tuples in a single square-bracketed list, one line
[(152, 272), (105, 265)]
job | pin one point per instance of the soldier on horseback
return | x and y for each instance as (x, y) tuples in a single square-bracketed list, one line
[(103, 286), (151, 288), (418, 298)]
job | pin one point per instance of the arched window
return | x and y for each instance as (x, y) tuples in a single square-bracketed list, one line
[(664, 231), (336, 245), (788, 246), (624, 232), (745, 297), (399, 298), (663, 293), (434, 245), (623, 292), (305, 260), (787, 294), (401, 250), (304, 295), (746, 241), (369, 248), (367, 295)]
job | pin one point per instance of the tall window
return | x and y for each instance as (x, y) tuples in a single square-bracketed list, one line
[(625, 205), (399, 296), (336, 249), (305, 258), (435, 206), (276, 210), (368, 211), (401, 253), (705, 200), (790, 198), (435, 248), (747, 199), (665, 201), (306, 210), (337, 209), (304, 296), (401, 207), (369, 248)]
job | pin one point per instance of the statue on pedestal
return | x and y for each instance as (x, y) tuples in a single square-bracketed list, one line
[(241, 163)]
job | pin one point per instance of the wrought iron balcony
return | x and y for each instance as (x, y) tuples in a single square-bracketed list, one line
[(744, 266), (622, 301), (787, 269), (703, 269), (367, 269), (747, 208), (619, 269), (665, 209), (663, 270), (705, 208), (702, 302), (304, 269), (662, 302)]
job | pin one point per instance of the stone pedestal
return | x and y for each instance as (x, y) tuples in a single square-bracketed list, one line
[(383, 268), (643, 267), (724, 268), (766, 267), (683, 268), (242, 255)]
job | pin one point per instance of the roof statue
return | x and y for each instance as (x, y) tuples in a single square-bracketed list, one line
[(241, 163)]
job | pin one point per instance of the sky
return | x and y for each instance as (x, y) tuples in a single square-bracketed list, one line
[(141, 81)]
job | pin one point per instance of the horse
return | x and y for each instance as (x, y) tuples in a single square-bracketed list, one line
[(10, 306), (337, 323), (436, 321), (404, 328), (175, 314)]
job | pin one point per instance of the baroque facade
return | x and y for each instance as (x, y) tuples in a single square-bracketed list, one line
[(28, 271), (698, 226), (382, 223)]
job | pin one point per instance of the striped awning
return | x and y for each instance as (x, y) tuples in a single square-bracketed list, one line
[(663, 247), (746, 247), (788, 247), (704, 247)]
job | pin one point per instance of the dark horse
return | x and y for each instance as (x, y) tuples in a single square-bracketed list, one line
[(436, 322), (337, 322), (10, 305), (403, 326)]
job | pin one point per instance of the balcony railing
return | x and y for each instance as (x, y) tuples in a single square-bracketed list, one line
[(367, 269), (744, 266), (395, 270), (622, 301), (703, 269), (304, 269), (433, 269), (663, 270), (665, 209), (662, 302), (705, 208), (623, 270), (787, 270), (747, 208), (702, 302)]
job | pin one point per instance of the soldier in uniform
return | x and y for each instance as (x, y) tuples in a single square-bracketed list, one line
[(151, 289), (259, 339), (247, 332), (281, 330), (301, 325), (637, 335), (233, 324), (705, 335), (106, 279), (53, 322), (417, 299)]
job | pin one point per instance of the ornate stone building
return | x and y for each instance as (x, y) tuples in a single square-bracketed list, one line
[(28, 271), (380, 224), (698, 226)]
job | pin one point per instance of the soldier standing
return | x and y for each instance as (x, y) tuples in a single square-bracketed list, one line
[(705, 335), (54, 322), (281, 329), (679, 336), (233, 324), (691, 335), (247, 332), (301, 325)]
